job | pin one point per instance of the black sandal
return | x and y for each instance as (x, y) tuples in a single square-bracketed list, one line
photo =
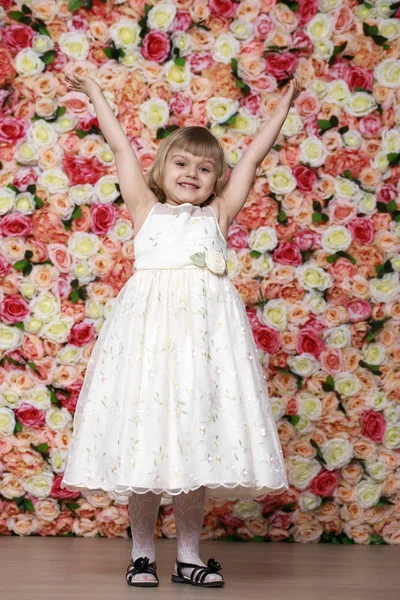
[(142, 565), (198, 574)]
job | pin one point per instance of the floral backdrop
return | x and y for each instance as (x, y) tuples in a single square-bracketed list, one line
[(315, 253)]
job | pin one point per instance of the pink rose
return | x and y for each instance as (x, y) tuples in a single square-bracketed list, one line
[(307, 9), (370, 126), (325, 483), (267, 339), (374, 426), (342, 269), (305, 178), (310, 342), (24, 177), (80, 169), (307, 240), (15, 225), (103, 217), (316, 324), (181, 104), (62, 288), (70, 402), (252, 317), (341, 211), (238, 236), (362, 230), (58, 492), (199, 61), (307, 105), (343, 18), (78, 22), (231, 522), (13, 309), (359, 77), (386, 193), (222, 8), (156, 46), (252, 102), (311, 126), (281, 520), (339, 69), (182, 21), (263, 25), (331, 360), (86, 122), (358, 310), (265, 84), (287, 253), (81, 334), (60, 257), (301, 40), (29, 416), (12, 129), (17, 36), (5, 267), (59, 63), (281, 66)]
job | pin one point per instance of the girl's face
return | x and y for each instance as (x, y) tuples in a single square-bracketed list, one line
[(188, 178)]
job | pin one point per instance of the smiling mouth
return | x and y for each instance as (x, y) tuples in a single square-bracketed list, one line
[(189, 186)]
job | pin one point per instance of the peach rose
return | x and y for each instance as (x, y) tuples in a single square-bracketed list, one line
[(85, 527), (50, 158), (23, 524), (47, 509), (391, 532), (360, 534), (352, 512), (308, 533), (345, 492), (45, 84), (364, 449)]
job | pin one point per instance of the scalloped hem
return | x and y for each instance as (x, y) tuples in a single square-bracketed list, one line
[(220, 490)]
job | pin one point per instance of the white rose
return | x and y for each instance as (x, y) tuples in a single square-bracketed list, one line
[(242, 29), (7, 199), (353, 140), (233, 264), (69, 354), (81, 193), (10, 337), (132, 59), (45, 306), (389, 28), (215, 262), (39, 398), (335, 238), (225, 47), (39, 485), (277, 407), (375, 469), (74, 44), (263, 264), (28, 63), (122, 231), (323, 49), (315, 302), (302, 471), (360, 104), (42, 43), (308, 501), (178, 77), (320, 27), (391, 439), (233, 155), (54, 180), (27, 153), (391, 140), (58, 460), (281, 180), (367, 203), (338, 337), (125, 33), (25, 203), (347, 189), (161, 16), (310, 406), (313, 151), (82, 270), (374, 354), (368, 493), (388, 73), (347, 384), (154, 113), (67, 122), (10, 399), (106, 189), (304, 426), (337, 453), (263, 239), (245, 123), (105, 155), (312, 277), (58, 418), (93, 309), (378, 401), (304, 364), (328, 6), (293, 123), (385, 289), (33, 325), (183, 42), (380, 162), (58, 330), (275, 314), (43, 134), (338, 92), (7, 421), (81, 245), (220, 109), (246, 509)]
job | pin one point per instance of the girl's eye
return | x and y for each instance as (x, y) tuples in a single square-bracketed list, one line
[(205, 169)]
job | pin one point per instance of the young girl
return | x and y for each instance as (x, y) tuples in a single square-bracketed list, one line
[(174, 400)]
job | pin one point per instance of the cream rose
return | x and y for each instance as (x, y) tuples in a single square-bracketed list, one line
[(244, 123), (154, 113), (312, 277), (122, 231), (388, 73), (313, 152), (360, 104), (74, 44), (39, 485), (338, 92), (263, 239), (28, 63), (308, 501), (337, 453), (10, 337), (25, 203), (281, 180), (161, 16), (27, 153), (310, 406), (58, 418), (215, 262), (82, 245), (347, 384), (319, 27), (336, 238), (58, 330), (7, 199), (219, 110), (106, 189), (7, 421), (391, 439), (45, 306), (275, 314), (125, 33), (225, 47), (293, 123), (368, 493), (54, 180), (304, 364), (375, 469), (338, 337), (178, 76), (301, 471), (315, 302), (39, 398), (277, 407), (67, 122), (385, 289), (374, 354), (233, 264)]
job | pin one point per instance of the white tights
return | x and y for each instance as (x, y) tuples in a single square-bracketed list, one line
[(188, 510)]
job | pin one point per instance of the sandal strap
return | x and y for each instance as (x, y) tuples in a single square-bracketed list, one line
[(141, 565), (199, 572)]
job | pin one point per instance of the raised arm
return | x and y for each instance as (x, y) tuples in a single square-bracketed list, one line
[(134, 189), (237, 188)]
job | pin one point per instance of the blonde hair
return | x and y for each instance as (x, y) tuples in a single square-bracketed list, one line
[(198, 141)]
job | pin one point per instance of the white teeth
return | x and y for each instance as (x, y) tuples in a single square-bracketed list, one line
[(188, 186)]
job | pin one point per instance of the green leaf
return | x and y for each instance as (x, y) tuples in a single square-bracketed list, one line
[(87, 4), (318, 216), (373, 368), (344, 129), (54, 399), (18, 427), (377, 539), (76, 213), (12, 187), (109, 52), (324, 124), (74, 4), (180, 61), (38, 202), (255, 254), (72, 505), (28, 504), (330, 381), (19, 325), (290, 507), (26, 10), (282, 217), (199, 259), (393, 158), (383, 501), (43, 30), (20, 264), (32, 366), (234, 64), (74, 296), (31, 188), (391, 206), (48, 57), (293, 419), (15, 15)]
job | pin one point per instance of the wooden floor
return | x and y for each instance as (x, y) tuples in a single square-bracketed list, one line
[(38, 568)]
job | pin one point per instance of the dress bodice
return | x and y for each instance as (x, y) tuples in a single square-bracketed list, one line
[(171, 235)]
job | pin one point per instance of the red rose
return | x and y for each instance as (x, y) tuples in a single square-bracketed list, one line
[(14, 225), (13, 309), (301, 40), (156, 46), (29, 416), (359, 77), (287, 253), (238, 236), (362, 230), (5, 267), (325, 483), (387, 193), (7, 71), (230, 522), (17, 36), (58, 492), (374, 426), (267, 339), (70, 402), (222, 8), (181, 104), (80, 170), (305, 178), (252, 103), (358, 310), (24, 177), (182, 21), (81, 334), (307, 240), (87, 122), (12, 129), (102, 218), (308, 341), (199, 61), (307, 9), (281, 520), (281, 66)]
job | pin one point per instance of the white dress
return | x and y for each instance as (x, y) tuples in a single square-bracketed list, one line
[(174, 395)]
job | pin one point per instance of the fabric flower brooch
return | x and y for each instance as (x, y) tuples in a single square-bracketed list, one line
[(213, 260)]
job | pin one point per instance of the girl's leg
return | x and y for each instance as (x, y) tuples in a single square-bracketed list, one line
[(189, 512), (143, 512)]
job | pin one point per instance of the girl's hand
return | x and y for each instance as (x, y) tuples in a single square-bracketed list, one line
[(293, 91), (81, 83)]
